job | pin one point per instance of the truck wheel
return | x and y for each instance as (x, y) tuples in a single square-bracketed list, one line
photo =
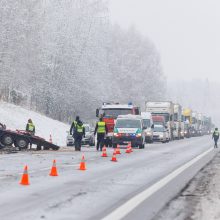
[(7, 140), (22, 143)]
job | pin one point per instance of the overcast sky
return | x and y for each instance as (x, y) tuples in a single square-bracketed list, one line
[(185, 32)]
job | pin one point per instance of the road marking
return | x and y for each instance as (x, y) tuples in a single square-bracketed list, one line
[(134, 202)]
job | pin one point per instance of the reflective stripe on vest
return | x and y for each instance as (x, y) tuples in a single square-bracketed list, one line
[(31, 127), (216, 133), (101, 127), (79, 128)]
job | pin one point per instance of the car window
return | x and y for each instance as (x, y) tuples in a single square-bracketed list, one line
[(159, 129), (128, 123)]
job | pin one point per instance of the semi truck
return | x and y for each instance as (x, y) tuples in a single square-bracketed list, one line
[(177, 121), (165, 109), (110, 112)]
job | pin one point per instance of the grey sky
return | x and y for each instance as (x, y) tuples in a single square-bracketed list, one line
[(186, 33)]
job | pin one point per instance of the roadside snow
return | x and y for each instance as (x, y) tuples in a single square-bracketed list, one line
[(15, 117), (201, 198)]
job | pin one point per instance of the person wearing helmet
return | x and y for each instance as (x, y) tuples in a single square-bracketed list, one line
[(215, 136)]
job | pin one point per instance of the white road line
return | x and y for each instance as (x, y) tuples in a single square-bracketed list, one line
[(134, 202)]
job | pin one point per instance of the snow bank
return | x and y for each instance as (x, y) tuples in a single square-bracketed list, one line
[(15, 117)]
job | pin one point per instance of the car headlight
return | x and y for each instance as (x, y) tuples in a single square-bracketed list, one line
[(148, 134), (161, 136), (138, 135)]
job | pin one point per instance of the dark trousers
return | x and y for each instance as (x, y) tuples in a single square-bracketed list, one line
[(216, 143), (78, 142), (100, 141)]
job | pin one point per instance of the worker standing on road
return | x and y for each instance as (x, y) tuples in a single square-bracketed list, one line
[(73, 126), (30, 127), (215, 136), (101, 130), (79, 133)]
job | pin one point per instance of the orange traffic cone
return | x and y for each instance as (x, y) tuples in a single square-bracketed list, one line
[(53, 171), (25, 177), (128, 151), (50, 140), (82, 165), (104, 152), (114, 159), (118, 150)]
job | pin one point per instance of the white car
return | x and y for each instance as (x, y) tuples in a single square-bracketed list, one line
[(160, 134), (69, 139), (148, 126)]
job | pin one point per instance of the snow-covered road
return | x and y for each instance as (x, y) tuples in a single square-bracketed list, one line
[(91, 194)]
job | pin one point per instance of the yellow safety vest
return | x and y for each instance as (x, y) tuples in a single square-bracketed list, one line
[(31, 127), (79, 128), (101, 127)]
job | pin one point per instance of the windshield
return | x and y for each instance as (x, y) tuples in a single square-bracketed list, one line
[(158, 128), (166, 116), (114, 113), (128, 123), (146, 123)]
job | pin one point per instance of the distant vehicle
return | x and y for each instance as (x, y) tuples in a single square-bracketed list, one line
[(129, 128), (110, 112), (165, 109), (160, 134), (177, 121), (89, 137), (69, 139), (148, 126), (187, 113)]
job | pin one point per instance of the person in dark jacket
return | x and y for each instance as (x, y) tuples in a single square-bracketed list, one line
[(79, 133), (101, 130), (30, 127), (72, 128), (215, 136)]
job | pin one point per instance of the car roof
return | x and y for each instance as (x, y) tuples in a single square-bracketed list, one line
[(133, 117)]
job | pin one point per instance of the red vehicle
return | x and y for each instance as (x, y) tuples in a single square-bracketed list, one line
[(21, 140), (159, 120), (110, 112)]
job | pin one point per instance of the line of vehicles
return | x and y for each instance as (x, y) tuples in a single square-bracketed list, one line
[(160, 122)]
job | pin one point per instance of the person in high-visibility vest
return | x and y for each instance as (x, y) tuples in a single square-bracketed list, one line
[(101, 130), (79, 132), (72, 128), (215, 136), (30, 127)]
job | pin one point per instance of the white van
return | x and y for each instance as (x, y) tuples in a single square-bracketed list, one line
[(148, 126)]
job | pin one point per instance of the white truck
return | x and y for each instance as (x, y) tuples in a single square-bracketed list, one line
[(165, 109), (177, 121)]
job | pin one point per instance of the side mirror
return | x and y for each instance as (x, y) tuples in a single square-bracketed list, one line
[(144, 127), (152, 126), (97, 112)]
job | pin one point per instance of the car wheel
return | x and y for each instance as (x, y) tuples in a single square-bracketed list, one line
[(22, 143), (7, 140)]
